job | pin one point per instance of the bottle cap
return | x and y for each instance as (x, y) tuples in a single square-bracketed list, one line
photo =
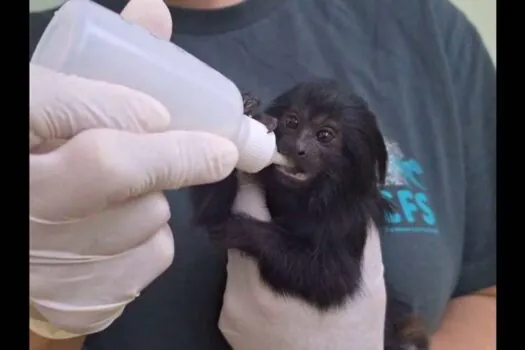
[(258, 149)]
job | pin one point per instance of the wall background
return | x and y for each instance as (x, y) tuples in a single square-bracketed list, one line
[(481, 12)]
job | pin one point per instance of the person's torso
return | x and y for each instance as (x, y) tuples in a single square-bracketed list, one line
[(389, 53)]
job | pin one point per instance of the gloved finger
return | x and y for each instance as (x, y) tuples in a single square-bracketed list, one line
[(137, 220), (130, 272), (62, 106), (153, 15), (250, 198), (106, 166)]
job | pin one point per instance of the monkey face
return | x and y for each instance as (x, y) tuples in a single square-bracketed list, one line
[(312, 142), (325, 130)]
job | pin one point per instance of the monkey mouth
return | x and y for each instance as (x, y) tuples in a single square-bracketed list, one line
[(293, 172)]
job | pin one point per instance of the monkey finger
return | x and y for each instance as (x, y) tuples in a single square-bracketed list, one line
[(269, 121)]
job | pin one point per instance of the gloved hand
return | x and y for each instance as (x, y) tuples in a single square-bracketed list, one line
[(254, 317), (98, 218)]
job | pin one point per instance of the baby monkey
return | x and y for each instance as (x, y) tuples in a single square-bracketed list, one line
[(321, 204)]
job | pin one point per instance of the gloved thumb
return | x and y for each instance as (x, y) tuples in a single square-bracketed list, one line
[(153, 15)]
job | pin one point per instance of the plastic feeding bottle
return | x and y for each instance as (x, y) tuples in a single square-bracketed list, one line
[(88, 40)]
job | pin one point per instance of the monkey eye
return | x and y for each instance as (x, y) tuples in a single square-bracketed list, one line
[(325, 136), (291, 121)]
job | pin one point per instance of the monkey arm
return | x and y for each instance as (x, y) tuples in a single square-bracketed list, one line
[(288, 263), (280, 259), (252, 237), (212, 203)]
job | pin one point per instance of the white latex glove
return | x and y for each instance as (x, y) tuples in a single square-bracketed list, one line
[(98, 218), (254, 318)]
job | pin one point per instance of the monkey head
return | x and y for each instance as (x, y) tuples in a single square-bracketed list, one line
[(328, 133)]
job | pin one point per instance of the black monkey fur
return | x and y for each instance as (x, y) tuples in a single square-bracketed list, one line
[(321, 209)]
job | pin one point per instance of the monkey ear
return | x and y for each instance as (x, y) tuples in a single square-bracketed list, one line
[(380, 152), (375, 142)]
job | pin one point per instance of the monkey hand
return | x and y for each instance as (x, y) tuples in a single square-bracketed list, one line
[(251, 109), (98, 219), (250, 199)]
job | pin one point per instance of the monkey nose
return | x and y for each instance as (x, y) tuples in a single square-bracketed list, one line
[(301, 153)]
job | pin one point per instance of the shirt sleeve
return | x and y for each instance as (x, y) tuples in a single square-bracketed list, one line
[(474, 90)]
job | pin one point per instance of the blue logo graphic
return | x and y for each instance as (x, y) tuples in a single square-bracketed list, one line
[(404, 188)]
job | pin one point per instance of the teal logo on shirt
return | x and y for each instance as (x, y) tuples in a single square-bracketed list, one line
[(405, 188)]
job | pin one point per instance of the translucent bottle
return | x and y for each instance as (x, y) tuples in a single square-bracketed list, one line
[(88, 40)]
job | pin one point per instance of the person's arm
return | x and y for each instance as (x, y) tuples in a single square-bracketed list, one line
[(38, 329), (38, 21), (37, 342), (469, 322)]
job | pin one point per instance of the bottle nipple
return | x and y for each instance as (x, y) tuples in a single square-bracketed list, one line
[(279, 159)]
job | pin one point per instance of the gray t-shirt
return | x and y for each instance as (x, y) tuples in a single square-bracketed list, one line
[(425, 73)]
